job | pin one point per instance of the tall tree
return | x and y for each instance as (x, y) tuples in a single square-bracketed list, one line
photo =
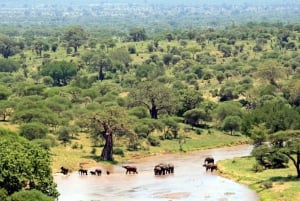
[(108, 122), (75, 36), (60, 71), (155, 97), (288, 142)]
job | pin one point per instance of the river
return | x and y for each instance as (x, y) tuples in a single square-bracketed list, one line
[(190, 181)]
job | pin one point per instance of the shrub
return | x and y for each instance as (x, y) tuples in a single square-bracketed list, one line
[(267, 184), (257, 168), (118, 151), (153, 141)]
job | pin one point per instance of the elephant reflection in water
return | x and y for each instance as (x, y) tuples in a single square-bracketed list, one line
[(210, 166), (163, 169)]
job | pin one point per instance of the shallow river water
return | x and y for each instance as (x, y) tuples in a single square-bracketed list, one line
[(190, 181)]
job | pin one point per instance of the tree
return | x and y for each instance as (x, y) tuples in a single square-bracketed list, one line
[(194, 116), (8, 65), (33, 130), (101, 62), (189, 99), (8, 47), (40, 46), (271, 71), (231, 123), (121, 55), (155, 97), (137, 34), (60, 71), (288, 143), (5, 92), (6, 109), (23, 163), (107, 122), (75, 36), (229, 108)]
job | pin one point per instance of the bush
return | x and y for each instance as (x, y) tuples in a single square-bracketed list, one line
[(153, 141), (32, 195), (257, 168), (33, 130), (118, 151), (267, 185)]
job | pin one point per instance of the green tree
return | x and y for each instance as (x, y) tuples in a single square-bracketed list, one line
[(74, 36), (33, 130), (60, 71), (6, 109), (107, 122), (40, 46), (121, 55), (229, 108), (231, 123), (137, 34), (189, 99), (8, 65), (155, 97), (288, 143), (101, 63), (8, 47), (5, 92), (23, 163), (271, 71), (194, 116)]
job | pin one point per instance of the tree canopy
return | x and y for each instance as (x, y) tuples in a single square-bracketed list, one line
[(24, 165)]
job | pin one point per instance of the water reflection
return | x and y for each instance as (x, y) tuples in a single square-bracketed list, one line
[(189, 182)]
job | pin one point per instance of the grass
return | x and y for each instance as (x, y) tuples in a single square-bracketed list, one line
[(270, 184)]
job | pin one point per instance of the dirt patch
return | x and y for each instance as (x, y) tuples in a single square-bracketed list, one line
[(279, 187)]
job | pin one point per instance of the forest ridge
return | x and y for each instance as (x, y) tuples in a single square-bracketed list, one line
[(153, 15)]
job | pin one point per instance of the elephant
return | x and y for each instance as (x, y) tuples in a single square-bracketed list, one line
[(210, 166), (98, 172), (163, 168), (64, 170), (130, 169), (83, 171), (208, 160)]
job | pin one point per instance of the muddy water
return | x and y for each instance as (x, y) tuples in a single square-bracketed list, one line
[(190, 182)]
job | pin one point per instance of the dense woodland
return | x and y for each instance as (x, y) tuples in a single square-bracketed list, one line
[(133, 90)]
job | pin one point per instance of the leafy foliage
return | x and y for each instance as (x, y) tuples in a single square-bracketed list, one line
[(23, 163)]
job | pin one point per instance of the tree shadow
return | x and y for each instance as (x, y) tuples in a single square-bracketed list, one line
[(289, 178)]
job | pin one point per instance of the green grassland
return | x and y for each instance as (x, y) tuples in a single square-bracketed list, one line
[(270, 184)]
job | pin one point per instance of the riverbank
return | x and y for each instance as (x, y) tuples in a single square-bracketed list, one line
[(81, 151), (270, 184)]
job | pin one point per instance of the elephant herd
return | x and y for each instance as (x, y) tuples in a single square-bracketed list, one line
[(163, 169), (159, 169)]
